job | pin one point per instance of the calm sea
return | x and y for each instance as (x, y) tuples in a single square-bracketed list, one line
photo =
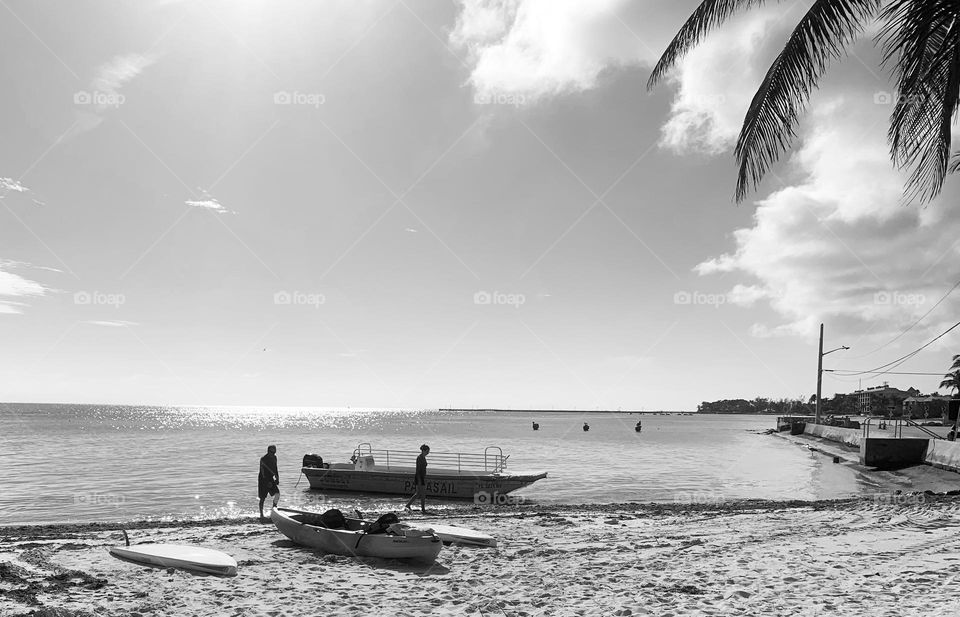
[(109, 463)]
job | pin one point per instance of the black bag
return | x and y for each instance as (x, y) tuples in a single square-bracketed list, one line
[(312, 460), (381, 524), (333, 519)]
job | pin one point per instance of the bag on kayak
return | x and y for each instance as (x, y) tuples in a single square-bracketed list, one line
[(382, 523), (333, 519)]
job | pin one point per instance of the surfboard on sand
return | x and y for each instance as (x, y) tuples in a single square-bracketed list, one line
[(457, 535), (181, 556)]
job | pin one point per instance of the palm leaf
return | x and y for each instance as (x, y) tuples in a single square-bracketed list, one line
[(768, 128), (707, 16), (922, 38)]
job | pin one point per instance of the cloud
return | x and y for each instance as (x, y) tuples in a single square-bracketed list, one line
[(839, 243), (208, 203), (9, 184), (15, 286), (538, 48), (104, 91), (715, 86), (112, 324)]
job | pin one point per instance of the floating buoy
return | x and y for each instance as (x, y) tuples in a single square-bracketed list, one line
[(586, 427), (536, 426)]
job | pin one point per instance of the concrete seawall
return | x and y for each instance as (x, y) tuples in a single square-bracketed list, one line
[(849, 436), (939, 452), (944, 454)]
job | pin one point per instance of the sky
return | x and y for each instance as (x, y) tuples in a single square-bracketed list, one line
[(475, 203)]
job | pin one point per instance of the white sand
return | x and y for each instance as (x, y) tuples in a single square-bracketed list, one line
[(892, 555)]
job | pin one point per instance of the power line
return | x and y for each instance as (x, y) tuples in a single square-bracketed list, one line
[(914, 324), (841, 374), (889, 366)]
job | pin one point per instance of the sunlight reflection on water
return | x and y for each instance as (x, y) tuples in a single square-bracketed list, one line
[(85, 463)]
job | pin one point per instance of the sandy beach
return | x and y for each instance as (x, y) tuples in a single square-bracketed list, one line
[(891, 554)]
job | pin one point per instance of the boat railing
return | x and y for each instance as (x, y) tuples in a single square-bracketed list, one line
[(491, 461)]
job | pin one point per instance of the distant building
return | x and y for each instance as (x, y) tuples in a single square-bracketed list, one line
[(932, 406), (883, 400)]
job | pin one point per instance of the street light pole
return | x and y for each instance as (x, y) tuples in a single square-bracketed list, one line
[(820, 355), (816, 419)]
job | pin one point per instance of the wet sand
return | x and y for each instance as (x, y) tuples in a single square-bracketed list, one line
[(890, 554)]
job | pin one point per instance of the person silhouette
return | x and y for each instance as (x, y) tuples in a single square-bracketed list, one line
[(268, 480)]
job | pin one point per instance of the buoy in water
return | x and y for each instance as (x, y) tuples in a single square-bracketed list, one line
[(586, 427), (536, 426)]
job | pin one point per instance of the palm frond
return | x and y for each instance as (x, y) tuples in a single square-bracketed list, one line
[(707, 16), (956, 363), (922, 39), (768, 128), (955, 164)]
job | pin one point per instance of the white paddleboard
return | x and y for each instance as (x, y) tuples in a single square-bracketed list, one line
[(457, 535), (179, 556)]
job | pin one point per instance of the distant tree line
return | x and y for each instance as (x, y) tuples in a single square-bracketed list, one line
[(781, 407)]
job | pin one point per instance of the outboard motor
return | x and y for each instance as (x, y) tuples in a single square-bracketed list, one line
[(312, 460)]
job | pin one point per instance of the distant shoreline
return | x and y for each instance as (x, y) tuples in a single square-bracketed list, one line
[(580, 411)]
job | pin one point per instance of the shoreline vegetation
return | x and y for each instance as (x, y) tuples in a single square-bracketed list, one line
[(576, 411)]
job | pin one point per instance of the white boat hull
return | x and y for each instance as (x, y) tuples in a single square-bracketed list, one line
[(479, 487)]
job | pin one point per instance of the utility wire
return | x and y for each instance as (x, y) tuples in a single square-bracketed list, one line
[(912, 326), (889, 366), (840, 373)]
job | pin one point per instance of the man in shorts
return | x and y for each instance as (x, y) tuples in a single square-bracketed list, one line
[(269, 479), (420, 480)]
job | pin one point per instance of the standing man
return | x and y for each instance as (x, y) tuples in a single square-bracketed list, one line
[(420, 480), (269, 479)]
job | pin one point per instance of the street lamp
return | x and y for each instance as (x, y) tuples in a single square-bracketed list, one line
[(820, 371)]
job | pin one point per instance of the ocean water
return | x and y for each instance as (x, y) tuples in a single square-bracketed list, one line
[(109, 463)]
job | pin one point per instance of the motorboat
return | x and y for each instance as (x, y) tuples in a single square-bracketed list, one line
[(450, 475)]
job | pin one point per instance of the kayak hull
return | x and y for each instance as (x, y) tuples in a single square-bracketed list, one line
[(354, 541)]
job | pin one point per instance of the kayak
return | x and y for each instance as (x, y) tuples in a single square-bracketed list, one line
[(194, 558), (352, 539)]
